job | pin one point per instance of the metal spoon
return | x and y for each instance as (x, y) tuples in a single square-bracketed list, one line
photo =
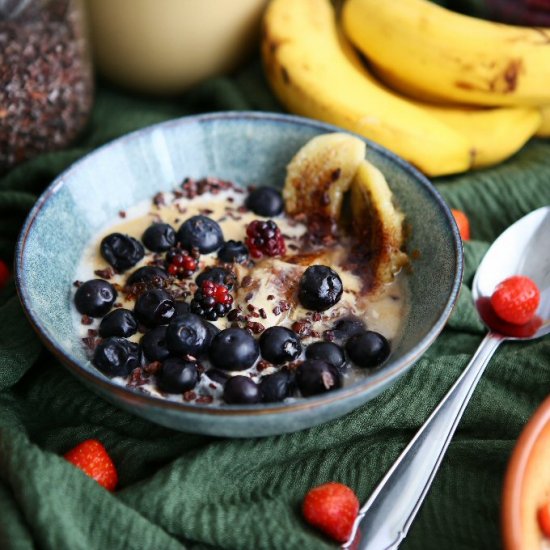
[(523, 249)]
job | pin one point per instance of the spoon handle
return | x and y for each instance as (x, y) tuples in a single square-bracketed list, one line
[(386, 517)]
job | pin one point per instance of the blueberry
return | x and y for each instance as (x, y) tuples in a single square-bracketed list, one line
[(187, 335), (153, 344), (233, 251), (280, 345), (212, 330), (265, 201), (368, 349), (218, 376), (200, 232), (320, 288), (233, 349), (277, 386), (177, 375), (314, 376), (241, 390), (117, 356), (217, 275), (154, 307), (119, 322), (147, 274), (95, 297), (326, 351), (121, 251), (181, 307), (347, 327), (159, 237)]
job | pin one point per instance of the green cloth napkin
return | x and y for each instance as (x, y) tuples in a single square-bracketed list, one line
[(179, 490)]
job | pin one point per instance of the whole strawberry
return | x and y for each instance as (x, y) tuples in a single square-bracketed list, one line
[(92, 458), (516, 299), (332, 508)]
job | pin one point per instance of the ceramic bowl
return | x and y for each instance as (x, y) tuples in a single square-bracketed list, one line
[(527, 484), (245, 148)]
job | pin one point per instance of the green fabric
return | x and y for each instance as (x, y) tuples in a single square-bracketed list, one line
[(186, 491)]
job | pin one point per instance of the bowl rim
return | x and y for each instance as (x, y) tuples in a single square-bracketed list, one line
[(136, 398), (515, 476)]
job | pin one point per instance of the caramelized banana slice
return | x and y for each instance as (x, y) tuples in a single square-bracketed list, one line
[(317, 178), (377, 222)]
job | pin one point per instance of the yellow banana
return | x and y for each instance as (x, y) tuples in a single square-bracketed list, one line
[(430, 52), (310, 74), (544, 128)]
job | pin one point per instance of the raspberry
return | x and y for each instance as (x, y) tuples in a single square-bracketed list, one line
[(332, 508), (211, 300), (181, 263), (516, 299), (264, 238)]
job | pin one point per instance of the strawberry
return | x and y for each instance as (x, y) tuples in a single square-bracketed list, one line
[(516, 299), (463, 224), (332, 508), (543, 516), (92, 458), (4, 274)]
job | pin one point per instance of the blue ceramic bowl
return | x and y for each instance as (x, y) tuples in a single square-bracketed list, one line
[(242, 147)]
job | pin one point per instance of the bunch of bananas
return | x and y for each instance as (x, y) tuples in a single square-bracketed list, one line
[(444, 91)]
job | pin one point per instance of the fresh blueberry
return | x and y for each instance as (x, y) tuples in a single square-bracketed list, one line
[(177, 375), (200, 232), (233, 349), (314, 376), (320, 288), (153, 344), (181, 307), (241, 390), (217, 275), (326, 351), (218, 376), (277, 386), (233, 251), (265, 201), (121, 251), (347, 327), (119, 322), (212, 330), (154, 307), (159, 237), (280, 345), (147, 274), (116, 356), (187, 335), (368, 349), (95, 297)]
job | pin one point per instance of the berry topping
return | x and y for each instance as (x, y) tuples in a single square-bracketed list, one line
[(95, 297), (187, 335), (218, 275), (177, 375), (153, 344), (264, 238), (277, 386), (280, 345), (326, 351), (119, 322), (4, 274), (147, 275), (368, 349), (181, 263), (320, 288), (516, 299), (92, 458), (159, 237), (234, 349), (241, 390), (121, 251), (265, 201), (154, 307), (233, 251), (463, 224), (314, 376), (117, 356), (331, 508), (202, 233), (211, 301)]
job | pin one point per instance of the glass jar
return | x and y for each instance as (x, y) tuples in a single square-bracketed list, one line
[(46, 80)]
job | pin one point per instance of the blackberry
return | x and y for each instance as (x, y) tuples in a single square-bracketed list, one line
[(264, 238), (181, 263), (211, 301)]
